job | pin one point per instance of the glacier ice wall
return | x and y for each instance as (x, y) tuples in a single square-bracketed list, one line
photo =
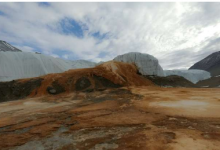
[(146, 64), (17, 65)]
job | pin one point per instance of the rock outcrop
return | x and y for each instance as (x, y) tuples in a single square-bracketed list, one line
[(146, 64), (192, 75)]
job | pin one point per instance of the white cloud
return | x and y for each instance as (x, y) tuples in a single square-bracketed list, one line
[(176, 33)]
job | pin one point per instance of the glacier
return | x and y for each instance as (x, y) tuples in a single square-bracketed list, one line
[(76, 64), (193, 75), (146, 64), (18, 65)]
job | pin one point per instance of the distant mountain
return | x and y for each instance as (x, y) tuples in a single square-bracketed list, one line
[(6, 47), (211, 64)]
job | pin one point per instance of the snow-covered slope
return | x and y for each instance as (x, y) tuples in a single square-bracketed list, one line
[(17, 65), (147, 64), (192, 75), (5, 47)]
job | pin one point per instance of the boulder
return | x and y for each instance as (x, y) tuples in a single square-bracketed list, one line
[(51, 90)]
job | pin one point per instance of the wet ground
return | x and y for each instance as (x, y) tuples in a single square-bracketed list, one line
[(143, 118)]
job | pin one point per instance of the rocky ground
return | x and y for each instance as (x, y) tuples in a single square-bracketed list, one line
[(170, 81), (213, 82), (126, 118)]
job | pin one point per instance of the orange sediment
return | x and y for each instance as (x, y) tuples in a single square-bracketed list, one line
[(120, 73)]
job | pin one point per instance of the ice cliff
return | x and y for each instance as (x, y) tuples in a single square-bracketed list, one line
[(17, 65), (146, 64)]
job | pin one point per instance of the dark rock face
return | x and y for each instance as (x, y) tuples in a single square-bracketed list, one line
[(4, 46), (211, 64), (101, 82), (55, 89), (16, 90), (213, 82), (173, 81), (82, 83)]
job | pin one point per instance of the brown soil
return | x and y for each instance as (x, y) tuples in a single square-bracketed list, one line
[(108, 107), (131, 118)]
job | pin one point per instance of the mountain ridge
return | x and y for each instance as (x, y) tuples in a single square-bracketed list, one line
[(5, 47), (211, 63)]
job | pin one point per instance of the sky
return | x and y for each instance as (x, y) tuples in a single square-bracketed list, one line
[(178, 34)]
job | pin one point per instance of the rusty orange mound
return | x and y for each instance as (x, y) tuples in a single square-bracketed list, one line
[(109, 74), (121, 73)]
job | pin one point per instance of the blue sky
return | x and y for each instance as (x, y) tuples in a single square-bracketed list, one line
[(71, 27), (45, 4), (178, 34), (2, 13)]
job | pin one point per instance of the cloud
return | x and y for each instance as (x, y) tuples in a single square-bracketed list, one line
[(178, 34)]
